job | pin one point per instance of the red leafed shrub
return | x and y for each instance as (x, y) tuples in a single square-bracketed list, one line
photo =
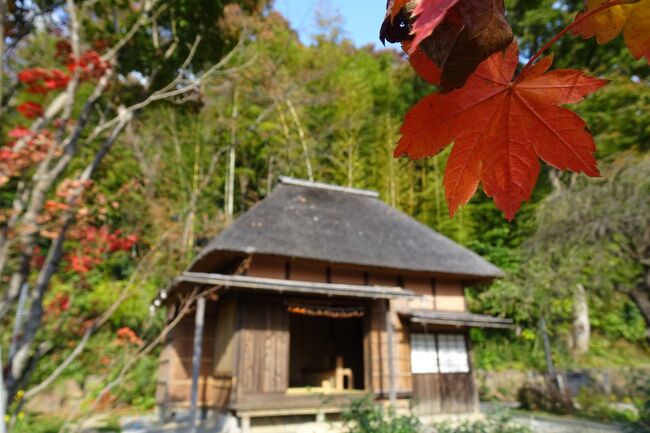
[(127, 335), (94, 244), (19, 132), (37, 258), (82, 264), (30, 110), (13, 162), (106, 401), (59, 304), (42, 80), (90, 64), (117, 243), (68, 189)]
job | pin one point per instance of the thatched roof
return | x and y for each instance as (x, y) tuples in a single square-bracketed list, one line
[(342, 225)]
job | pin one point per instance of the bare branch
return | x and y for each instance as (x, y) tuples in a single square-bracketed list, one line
[(142, 20), (165, 92)]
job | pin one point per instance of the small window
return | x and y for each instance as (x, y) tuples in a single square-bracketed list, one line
[(424, 357), (452, 353)]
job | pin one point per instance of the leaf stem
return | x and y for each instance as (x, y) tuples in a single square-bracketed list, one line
[(568, 28)]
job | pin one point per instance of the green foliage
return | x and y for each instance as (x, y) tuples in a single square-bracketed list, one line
[(598, 406), (642, 424), (495, 422), (618, 318), (365, 416), (140, 386), (619, 116), (500, 352), (37, 424)]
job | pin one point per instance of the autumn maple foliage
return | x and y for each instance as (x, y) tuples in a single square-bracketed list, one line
[(457, 35), (631, 19), (500, 124), (501, 127)]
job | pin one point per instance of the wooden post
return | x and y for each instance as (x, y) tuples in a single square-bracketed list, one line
[(196, 359), (392, 394)]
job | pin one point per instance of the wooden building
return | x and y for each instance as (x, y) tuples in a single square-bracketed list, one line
[(322, 293)]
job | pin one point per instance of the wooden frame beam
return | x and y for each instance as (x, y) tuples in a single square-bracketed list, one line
[(457, 319), (292, 286)]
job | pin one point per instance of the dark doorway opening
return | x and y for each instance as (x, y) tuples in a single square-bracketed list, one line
[(325, 353)]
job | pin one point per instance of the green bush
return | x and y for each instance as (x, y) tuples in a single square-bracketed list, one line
[(139, 388), (496, 422), (642, 424), (365, 416), (37, 424), (594, 404)]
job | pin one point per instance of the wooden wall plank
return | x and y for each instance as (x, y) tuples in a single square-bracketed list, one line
[(435, 393), (224, 344), (264, 357), (267, 267), (302, 270), (456, 393), (426, 394), (450, 295), (213, 391), (378, 348)]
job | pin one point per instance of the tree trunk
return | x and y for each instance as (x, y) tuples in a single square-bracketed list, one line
[(580, 328), (230, 175)]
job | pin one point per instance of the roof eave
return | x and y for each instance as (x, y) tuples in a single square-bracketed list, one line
[(294, 286), (462, 319)]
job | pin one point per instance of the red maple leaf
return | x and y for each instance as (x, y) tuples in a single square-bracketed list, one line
[(429, 14), (423, 65), (500, 127)]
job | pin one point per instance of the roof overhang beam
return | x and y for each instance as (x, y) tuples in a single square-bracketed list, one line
[(458, 319), (293, 286)]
